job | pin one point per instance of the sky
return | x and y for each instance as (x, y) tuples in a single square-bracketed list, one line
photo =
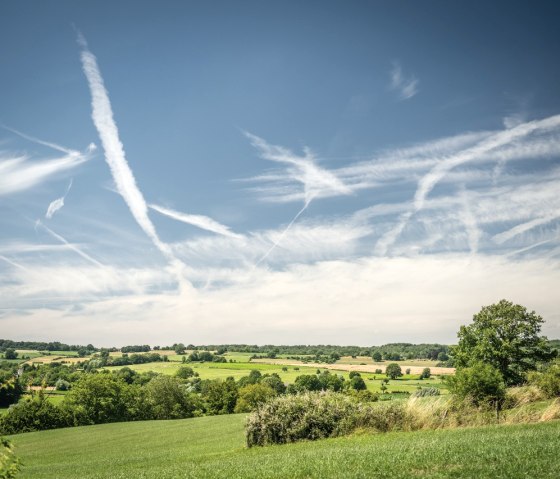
[(318, 172)]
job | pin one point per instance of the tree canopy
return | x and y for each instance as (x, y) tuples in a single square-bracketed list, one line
[(506, 336)]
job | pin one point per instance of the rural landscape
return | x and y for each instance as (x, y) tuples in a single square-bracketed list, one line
[(297, 239), (235, 410)]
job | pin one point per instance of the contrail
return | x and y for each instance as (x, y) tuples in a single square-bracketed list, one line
[(57, 204), (102, 115), (315, 180), (54, 146), (428, 182), (203, 222), (69, 245), (281, 237), (13, 263)]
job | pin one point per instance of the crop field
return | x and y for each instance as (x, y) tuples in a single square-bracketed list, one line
[(408, 383), (213, 447)]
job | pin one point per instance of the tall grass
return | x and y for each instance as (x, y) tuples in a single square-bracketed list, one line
[(313, 416)]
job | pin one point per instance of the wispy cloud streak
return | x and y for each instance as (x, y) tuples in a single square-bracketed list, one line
[(316, 181), (18, 173), (102, 115), (282, 235), (57, 204), (70, 246), (428, 182), (200, 221), (406, 87)]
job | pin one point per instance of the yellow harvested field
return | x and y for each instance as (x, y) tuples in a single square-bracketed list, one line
[(58, 359), (367, 368)]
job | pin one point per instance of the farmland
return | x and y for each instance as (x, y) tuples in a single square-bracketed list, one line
[(243, 366), (213, 447)]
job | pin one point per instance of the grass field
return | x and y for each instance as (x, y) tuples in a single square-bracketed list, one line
[(213, 447), (240, 369)]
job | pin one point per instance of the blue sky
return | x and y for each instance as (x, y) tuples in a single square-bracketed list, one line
[(276, 172)]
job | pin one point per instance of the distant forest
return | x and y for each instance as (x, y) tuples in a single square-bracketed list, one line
[(387, 351)]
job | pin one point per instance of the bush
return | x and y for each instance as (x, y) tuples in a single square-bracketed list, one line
[(167, 400), (275, 382), (10, 390), (317, 415), (357, 383), (481, 384), (426, 373), (548, 381), (185, 372), (220, 396), (34, 414), (393, 371), (62, 385), (9, 464), (252, 396), (423, 392), (102, 398)]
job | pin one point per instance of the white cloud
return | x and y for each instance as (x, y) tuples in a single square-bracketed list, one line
[(57, 204), (18, 173), (495, 142), (200, 221), (366, 301), (102, 115), (70, 246), (405, 87)]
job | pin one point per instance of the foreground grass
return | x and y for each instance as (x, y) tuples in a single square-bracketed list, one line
[(213, 447)]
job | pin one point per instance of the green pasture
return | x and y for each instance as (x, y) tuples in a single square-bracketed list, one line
[(239, 369), (213, 447)]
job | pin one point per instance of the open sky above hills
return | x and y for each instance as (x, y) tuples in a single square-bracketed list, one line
[(276, 172)]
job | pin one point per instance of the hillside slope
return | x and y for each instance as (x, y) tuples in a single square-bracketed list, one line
[(213, 447)]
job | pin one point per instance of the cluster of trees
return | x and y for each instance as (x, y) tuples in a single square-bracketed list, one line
[(42, 346), (392, 351), (403, 351), (126, 395), (103, 359), (205, 356), (144, 348), (502, 347)]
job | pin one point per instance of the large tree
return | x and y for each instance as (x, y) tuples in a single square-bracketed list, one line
[(506, 336)]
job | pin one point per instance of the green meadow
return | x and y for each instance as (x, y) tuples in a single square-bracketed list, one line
[(214, 447), (407, 383)]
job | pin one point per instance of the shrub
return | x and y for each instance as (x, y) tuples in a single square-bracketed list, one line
[(101, 398), (10, 390), (9, 464), (317, 415), (423, 392), (357, 383), (393, 371), (548, 381), (426, 373), (275, 382), (184, 372), (62, 385), (252, 396), (481, 384), (308, 382), (220, 396), (34, 414), (167, 400)]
